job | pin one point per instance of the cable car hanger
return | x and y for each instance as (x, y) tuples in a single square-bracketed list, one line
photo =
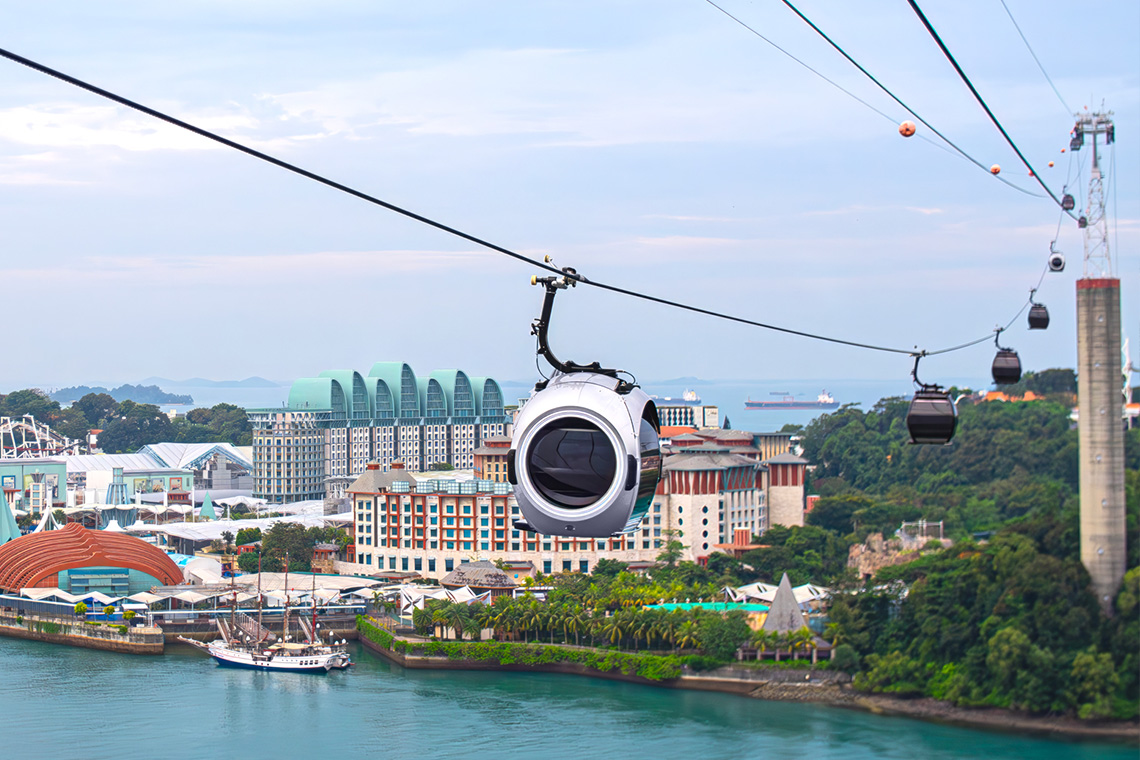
[(541, 326)]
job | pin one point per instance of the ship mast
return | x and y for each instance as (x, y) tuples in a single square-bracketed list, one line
[(285, 624), (313, 593)]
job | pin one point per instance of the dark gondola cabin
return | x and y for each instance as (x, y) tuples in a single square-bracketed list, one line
[(932, 417), (1067, 202), (1006, 368), (1038, 317)]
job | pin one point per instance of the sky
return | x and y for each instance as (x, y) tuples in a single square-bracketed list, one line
[(654, 145)]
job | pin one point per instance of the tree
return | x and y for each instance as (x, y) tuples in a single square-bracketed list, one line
[(80, 609), (128, 616), (108, 610), (837, 513), (609, 568), (1094, 681), (722, 635), (228, 538), (672, 550), (688, 635), (97, 408), (248, 536), (31, 401)]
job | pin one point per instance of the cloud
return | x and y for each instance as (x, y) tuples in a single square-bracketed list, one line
[(62, 125), (241, 270), (859, 208)]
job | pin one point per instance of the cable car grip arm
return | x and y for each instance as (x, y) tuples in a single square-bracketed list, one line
[(541, 326)]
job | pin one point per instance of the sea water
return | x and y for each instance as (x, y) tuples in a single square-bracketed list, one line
[(63, 702)]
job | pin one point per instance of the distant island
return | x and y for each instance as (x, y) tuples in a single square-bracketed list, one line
[(200, 382), (140, 394)]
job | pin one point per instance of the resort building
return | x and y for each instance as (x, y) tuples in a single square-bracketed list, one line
[(420, 523), (175, 469), (78, 560), (334, 424), (34, 484)]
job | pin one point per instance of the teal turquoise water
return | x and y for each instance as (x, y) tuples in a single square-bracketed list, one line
[(60, 702)]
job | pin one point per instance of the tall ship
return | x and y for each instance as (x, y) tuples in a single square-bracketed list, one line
[(246, 643), (788, 402)]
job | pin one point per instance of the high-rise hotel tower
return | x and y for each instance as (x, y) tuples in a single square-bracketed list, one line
[(337, 422)]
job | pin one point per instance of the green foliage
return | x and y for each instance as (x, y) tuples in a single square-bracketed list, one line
[(648, 666), (672, 548), (1093, 681), (120, 628), (1008, 624), (845, 658), (837, 513), (892, 673), (248, 536), (47, 626), (808, 554), (108, 610), (609, 568), (80, 608), (294, 540), (995, 441), (721, 635)]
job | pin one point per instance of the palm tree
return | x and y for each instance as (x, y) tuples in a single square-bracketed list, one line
[(487, 617), (438, 619), (688, 635), (530, 619), (613, 628), (459, 618), (577, 620)]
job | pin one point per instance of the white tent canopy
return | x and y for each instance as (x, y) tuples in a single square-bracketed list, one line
[(764, 592)]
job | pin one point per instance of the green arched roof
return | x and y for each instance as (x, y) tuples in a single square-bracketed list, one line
[(351, 379), (377, 390), (317, 394), (433, 400), (453, 382), (479, 386), (393, 373)]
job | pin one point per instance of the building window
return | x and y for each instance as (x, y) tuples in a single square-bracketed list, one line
[(449, 565), (403, 563), (419, 564), (565, 565), (391, 563), (584, 566)]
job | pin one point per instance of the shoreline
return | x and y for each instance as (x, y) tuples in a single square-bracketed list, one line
[(826, 691)]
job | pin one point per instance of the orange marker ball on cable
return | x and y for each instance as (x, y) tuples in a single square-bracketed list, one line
[(907, 128), (995, 169), (1050, 164)]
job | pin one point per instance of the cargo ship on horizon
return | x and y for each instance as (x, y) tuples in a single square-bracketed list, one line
[(789, 402)]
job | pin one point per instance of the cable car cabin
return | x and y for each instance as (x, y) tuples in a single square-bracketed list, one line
[(1038, 317), (1006, 368), (932, 417), (1067, 202), (585, 457)]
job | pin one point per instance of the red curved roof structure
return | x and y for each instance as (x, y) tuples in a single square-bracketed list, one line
[(28, 561)]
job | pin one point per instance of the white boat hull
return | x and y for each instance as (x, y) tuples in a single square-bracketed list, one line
[(316, 662)]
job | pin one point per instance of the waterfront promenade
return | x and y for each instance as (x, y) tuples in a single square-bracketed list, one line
[(76, 633)]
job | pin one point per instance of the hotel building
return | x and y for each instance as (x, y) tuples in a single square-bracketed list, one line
[(334, 424), (429, 525)]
